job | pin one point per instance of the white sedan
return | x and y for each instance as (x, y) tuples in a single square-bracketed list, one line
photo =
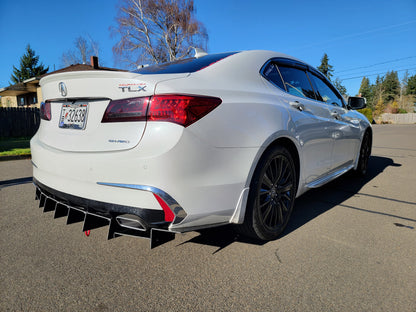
[(195, 143)]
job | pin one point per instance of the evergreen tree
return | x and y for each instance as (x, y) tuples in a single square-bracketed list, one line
[(411, 85), (379, 80), (325, 68), (340, 87), (378, 89), (28, 67), (391, 85), (366, 90)]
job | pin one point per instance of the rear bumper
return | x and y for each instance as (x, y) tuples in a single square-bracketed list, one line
[(121, 220), (205, 182), (150, 217)]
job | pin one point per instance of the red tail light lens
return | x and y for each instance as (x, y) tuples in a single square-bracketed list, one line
[(126, 110), (181, 109), (45, 110)]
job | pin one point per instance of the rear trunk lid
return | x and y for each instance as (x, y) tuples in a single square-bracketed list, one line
[(78, 103)]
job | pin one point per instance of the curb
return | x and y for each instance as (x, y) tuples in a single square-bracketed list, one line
[(15, 157)]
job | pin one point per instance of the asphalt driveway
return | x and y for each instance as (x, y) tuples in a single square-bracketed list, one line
[(350, 246)]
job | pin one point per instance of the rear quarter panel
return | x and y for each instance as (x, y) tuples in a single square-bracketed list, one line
[(249, 112)]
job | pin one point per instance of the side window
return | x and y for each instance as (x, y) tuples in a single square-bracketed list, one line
[(271, 73), (296, 82), (324, 92)]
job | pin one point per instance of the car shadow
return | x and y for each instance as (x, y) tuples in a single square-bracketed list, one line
[(307, 207), (13, 182), (318, 201)]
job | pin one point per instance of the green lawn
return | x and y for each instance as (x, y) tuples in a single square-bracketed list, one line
[(14, 146)]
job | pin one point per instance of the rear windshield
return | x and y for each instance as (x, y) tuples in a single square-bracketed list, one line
[(188, 65)]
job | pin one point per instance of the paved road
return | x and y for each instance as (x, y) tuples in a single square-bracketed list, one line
[(351, 246)]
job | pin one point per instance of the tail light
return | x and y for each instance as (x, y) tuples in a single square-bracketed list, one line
[(126, 110), (45, 110), (180, 109)]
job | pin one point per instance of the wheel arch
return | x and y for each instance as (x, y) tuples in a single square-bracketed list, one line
[(291, 147), (284, 140)]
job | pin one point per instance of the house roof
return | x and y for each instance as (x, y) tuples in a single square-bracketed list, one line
[(31, 84), (26, 86), (79, 67)]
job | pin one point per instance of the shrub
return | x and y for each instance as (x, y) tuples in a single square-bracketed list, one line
[(367, 112)]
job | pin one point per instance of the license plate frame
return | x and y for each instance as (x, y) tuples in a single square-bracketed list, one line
[(73, 116)]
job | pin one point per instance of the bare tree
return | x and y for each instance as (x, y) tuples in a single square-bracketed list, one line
[(157, 31), (83, 49)]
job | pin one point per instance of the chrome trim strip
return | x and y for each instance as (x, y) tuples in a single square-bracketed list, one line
[(321, 181), (179, 212)]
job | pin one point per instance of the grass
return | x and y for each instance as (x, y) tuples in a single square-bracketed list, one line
[(14, 146)]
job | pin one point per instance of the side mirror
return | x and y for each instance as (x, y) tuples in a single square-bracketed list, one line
[(356, 102)]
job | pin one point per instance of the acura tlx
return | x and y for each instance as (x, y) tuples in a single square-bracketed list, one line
[(229, 138)]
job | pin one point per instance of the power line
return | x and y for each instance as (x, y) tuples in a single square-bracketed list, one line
[(350, 78), (369, 72), (348, 36), (376, 64)]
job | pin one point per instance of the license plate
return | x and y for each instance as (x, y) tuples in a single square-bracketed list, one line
[(73, 116)]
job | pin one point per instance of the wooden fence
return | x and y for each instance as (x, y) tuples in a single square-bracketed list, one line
[(18, 122)]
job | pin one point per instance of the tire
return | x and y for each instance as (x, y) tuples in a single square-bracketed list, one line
[(271, 196), (365, 151)]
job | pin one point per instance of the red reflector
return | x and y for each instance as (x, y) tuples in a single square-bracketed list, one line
[(126, 110), (45, 110), (169, 215), (181, 109)]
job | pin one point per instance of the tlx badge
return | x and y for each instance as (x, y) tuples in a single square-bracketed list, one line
[(132, 87)]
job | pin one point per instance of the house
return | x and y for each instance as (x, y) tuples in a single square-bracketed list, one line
[(28, 93)]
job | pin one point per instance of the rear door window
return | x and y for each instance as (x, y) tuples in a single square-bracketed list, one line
[(296, 82), (271, 73)]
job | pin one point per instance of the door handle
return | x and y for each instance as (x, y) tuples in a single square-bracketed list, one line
[(297, 105), (336, 115)]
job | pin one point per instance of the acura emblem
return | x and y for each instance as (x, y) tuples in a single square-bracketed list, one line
[(62, 89)]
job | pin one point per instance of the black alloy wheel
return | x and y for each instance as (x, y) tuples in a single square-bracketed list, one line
[(272, 195)]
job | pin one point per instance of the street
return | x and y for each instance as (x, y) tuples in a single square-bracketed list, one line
[(349, 246)]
